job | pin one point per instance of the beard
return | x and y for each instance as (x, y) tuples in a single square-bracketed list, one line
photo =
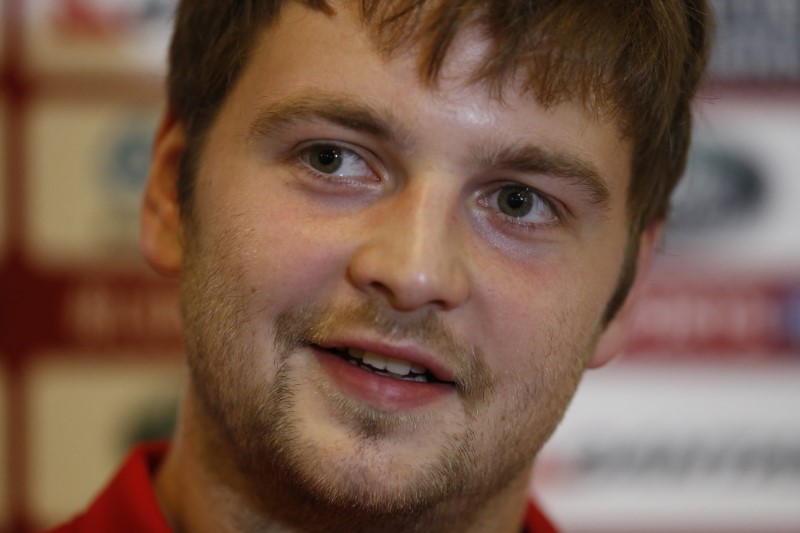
[(248, 390)]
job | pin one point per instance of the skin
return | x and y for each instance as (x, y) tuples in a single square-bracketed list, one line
[(409, 251)]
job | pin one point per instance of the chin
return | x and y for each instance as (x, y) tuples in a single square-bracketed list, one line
[(359, 457)]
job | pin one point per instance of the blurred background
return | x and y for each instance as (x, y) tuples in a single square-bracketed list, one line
[(695, 429)]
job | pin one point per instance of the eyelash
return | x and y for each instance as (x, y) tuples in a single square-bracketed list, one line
[(517, 225)]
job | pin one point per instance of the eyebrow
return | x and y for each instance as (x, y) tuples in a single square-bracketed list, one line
[(355, 114), (348, 112), (560, 164)]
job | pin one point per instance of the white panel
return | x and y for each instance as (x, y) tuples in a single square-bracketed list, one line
[(88, 164), (678, 448), (84, 414), (743, 183), (98, 36)]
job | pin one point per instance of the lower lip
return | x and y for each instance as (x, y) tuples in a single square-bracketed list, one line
[(382, 392)]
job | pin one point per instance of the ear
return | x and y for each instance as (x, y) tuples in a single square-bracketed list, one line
[(161, 231), (614, 338)]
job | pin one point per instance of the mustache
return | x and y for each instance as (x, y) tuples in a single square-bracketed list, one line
[(312, 324)]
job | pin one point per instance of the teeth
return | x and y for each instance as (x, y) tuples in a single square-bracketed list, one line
[(356, 353), (374, 360), (385, 365), (395, 366), (418, 369)]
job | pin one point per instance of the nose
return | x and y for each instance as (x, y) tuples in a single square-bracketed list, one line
[(411, 254)]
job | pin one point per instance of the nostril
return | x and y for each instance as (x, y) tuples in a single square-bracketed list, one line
[(381, 288)]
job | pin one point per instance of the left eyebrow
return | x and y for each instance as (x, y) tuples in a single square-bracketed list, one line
[(534, 159), (347, 112)]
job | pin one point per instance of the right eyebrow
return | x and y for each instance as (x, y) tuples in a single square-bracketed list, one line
[(531, 158), (348, 112)]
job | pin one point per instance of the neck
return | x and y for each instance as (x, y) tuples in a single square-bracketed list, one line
[(201, 489)]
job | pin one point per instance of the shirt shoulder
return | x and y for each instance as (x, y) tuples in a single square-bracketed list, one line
[(128, 504), (536, 521)]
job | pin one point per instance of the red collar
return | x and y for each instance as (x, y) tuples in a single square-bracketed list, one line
[(536, 521)]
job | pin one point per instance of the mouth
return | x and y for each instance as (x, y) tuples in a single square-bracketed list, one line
[(382, 365)]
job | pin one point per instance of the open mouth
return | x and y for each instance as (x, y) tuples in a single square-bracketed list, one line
[(382, 365)]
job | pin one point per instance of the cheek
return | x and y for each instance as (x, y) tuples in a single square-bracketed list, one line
[(286, 260), (291, 253), (537, 348), (544, 317)]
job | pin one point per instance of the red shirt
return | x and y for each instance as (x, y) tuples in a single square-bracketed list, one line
[(128, 504)]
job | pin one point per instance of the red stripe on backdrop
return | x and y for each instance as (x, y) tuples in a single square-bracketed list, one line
[(682, 316), (17, 97), (44, 311)]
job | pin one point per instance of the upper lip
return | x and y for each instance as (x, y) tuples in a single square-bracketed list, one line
[(406, 351)]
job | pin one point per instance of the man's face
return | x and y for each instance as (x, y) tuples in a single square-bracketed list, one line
[(391, 290)]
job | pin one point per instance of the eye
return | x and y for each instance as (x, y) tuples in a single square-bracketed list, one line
[(334, 160), (523, 203), (327, 159), (515, 201)]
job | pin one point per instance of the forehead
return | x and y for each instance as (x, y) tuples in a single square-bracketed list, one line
[(465, 60), (306, 55), (515, 47)]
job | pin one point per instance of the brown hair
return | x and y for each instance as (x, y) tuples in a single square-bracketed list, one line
[(637, 61)]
